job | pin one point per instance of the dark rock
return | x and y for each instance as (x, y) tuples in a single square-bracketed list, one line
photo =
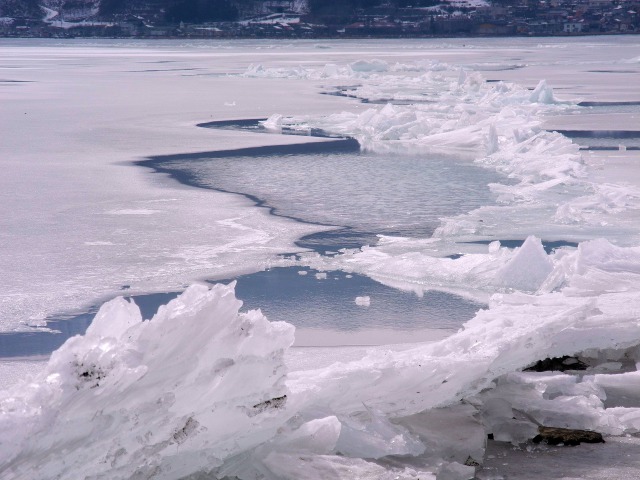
[(558, 364), (567, 436), (271, 404), (470, 462), (90, 375), (182, 434)]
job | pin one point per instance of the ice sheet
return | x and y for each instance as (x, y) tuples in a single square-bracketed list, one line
[(15, 370), (154, 383), (65, 128), (79, 224)]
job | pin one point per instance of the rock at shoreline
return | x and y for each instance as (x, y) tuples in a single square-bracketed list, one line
[(566, 436)]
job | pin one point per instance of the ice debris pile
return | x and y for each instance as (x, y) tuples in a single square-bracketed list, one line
[(203, 387), (474, 271), (196, 385), (440, 110)]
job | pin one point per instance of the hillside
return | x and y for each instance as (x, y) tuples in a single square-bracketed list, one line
[(201, 11), (171, 11), (315, 18)]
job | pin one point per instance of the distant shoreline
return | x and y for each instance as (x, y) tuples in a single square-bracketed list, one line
[(223, 36)]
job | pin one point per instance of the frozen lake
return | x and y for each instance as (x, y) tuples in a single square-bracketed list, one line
[(375, 194), (456, 200), (72, 133)]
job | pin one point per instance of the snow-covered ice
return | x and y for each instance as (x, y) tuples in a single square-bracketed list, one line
[(364, 301), (78, 223), (207, 388)]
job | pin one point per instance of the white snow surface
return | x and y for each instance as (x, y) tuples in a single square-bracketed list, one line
[(203, 388), (78, 223)]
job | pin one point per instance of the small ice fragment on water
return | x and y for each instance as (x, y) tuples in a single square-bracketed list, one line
[(372, 435), (133, 211), (494, 246), (608, 367), (363, 301), (499, 420), (462, 77), (302, 272), (492, 140), (273, 123), (528, 268), (542, 94), (321, 275), (36, 322), (369, 66), (329, 70), (348, 276)]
